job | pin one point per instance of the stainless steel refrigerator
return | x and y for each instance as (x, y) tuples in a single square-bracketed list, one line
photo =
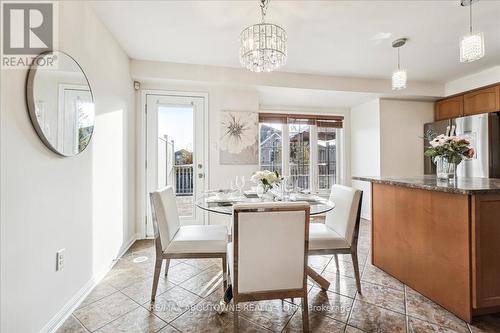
[(483, 131)]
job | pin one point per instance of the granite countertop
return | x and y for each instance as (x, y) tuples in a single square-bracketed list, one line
[(431, 183)]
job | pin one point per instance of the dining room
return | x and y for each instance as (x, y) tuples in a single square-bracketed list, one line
[(250, 166)]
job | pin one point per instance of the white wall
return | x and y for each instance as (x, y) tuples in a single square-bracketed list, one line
[(401, 132), (473, 81), (365, 148), (84, 204), (386, 140)]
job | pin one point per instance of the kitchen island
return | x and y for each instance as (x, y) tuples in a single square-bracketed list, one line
[(441, 239)]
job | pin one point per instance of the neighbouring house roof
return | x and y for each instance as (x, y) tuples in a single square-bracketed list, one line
[(272, 136)]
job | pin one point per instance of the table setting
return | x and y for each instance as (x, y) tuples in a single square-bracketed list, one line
[(267, 186)]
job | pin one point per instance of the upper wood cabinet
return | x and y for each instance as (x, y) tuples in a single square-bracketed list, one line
[(481, 101), (452, 107), (474, 102)]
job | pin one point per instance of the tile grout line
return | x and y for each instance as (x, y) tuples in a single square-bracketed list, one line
[(139, 306), (97, 300), (383, 307), (187, 308), (258, 325), (84, 327), (293, 314), (436, 323), (352, 306), (406, 311), (354, 300), (189, 278), (295, 306)]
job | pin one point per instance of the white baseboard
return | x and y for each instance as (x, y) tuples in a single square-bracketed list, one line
[(124, 248), (78, 298), (127, 245), (366, 217), (69, 307)]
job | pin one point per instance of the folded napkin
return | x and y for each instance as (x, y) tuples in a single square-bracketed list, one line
[(221, 200)]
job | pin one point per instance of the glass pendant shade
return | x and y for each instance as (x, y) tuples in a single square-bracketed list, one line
[(263, 47), (471, 47), (399, 79)]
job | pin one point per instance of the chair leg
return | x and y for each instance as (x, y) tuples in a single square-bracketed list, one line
[(235, 317), (156, 278), (336, 257), (224, 272), (305, 314), (355, 263), (167, 265)]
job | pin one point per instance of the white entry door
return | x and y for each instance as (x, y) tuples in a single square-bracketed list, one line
[(176, 152)]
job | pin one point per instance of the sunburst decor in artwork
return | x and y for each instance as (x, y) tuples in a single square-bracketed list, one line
[(239, 137)]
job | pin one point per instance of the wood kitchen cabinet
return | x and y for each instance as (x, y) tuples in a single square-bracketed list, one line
[(482, 101), (452, 107), (440, 240), (485, 252), (477, 101)]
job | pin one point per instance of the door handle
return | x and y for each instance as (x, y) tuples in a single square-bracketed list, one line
[(201, 175)]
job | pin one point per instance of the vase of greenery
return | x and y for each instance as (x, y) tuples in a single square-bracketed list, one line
[(447, 152)]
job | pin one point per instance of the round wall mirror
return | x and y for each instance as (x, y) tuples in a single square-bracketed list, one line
[(60, 103)]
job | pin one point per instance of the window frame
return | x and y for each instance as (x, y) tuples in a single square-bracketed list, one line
[(313, 149)]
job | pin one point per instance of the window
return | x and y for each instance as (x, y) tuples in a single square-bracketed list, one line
[(270, 147), (300, 152), (303, 147), (327, 157)]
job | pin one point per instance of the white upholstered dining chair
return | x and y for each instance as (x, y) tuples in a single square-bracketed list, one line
[(268, 254), (339, 233), (173, 241)]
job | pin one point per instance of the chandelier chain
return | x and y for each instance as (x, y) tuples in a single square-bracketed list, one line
[(470, 18), (398, 59), (263, 8)]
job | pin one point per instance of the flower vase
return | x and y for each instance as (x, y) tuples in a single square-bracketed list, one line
[(264, 193), (445, 170)]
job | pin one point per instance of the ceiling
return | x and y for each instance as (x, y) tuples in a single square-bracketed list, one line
[(340, 38)]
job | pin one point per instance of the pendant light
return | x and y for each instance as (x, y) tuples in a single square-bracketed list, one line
[(399, 75), (472, 44), (263, 45)]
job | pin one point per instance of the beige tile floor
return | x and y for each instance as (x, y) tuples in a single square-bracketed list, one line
[(186, 299)]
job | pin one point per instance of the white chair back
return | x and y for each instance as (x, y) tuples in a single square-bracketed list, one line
[(343, 217), (165, 216), (270, 241)]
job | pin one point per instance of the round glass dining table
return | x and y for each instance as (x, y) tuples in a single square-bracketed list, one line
[(318, 205), (209, 202)]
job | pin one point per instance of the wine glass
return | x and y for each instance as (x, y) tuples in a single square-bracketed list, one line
[(233, 186), (288, 186), (260, 191), (240, 183)]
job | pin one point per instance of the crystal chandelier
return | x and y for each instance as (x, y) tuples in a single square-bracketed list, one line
[(471, 45), (263, 45), (399, 75)]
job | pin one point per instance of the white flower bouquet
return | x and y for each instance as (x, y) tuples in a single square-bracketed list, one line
[(266, 178)]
